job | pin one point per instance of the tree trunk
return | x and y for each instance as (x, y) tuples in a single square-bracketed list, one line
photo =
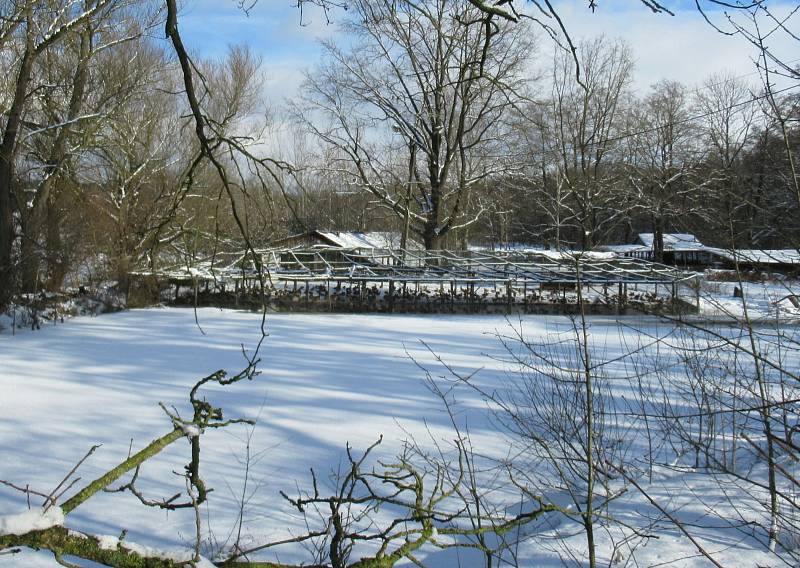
[(7, 154), (658, 239), (432, 238), (57, 258), (29, 260), (433, 232), (43, 216)]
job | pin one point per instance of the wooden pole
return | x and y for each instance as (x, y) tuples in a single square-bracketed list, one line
[(525, 296), (472, 306)]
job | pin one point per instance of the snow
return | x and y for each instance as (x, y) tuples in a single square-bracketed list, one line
[(624, 249), (191, 430), (37, 519), (766, 301), (765, 256), (561, 254), (370, 240), (673, 241), (108, 542), (327, 380), (50, 309)]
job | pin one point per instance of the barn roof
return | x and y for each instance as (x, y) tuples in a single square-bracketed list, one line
[(674, 242), (685, 242), (371, 239), (763, 256), (623, 249)]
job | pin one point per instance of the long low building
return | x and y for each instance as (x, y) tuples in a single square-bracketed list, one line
[(685, 250)]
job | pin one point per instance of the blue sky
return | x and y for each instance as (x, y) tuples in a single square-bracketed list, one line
[(272, 28), (683, 47)]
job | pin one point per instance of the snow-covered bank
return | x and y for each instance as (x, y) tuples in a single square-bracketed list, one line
[(327, 380), (765, 301), (31, 312)]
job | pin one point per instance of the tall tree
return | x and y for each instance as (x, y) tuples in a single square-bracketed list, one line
[(662, 158), (433, 78), (728, 114), (580, 133), (30, 28)]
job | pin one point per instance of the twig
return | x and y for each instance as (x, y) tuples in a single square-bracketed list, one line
[(50, 501)]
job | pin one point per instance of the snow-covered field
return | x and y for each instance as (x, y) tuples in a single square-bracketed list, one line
[(326, 381), (765, 301)]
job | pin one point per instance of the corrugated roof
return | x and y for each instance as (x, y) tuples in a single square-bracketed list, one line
[(623, 249), (373, 239), (674, 242), (759, 256)]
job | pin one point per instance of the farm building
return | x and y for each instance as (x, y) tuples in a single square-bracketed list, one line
[(685, 250), (390, 240), (680, 249), (330, 243)]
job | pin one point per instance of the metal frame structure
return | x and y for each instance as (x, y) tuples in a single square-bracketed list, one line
[(333, 278), (463, 267)]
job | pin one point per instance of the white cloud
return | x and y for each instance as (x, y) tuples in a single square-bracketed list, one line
[(283, 78), (683, 47)]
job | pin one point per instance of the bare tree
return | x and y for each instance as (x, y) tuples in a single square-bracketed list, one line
[(575, 144), (663, 157), (439, 76), (52, 170), (728, 117), (32, 27), (139, 162)]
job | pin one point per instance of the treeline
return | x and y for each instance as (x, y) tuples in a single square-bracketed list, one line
[(465, 132), (430, 118), (602, 163)]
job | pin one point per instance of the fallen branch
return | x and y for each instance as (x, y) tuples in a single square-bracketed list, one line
[(63, 542)]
